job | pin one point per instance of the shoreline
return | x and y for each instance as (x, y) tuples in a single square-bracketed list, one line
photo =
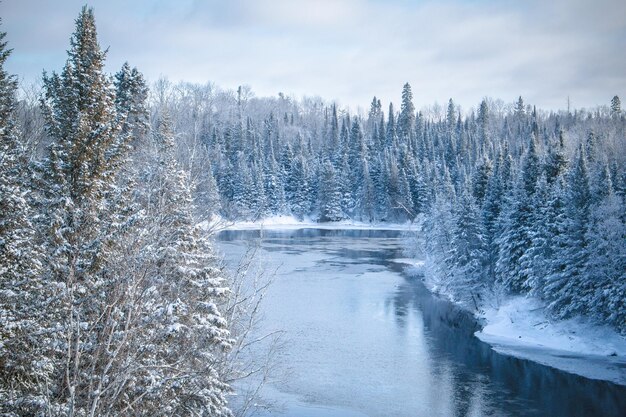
[(520, 327)]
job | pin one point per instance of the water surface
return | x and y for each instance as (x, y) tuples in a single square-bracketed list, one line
[(365, 339)]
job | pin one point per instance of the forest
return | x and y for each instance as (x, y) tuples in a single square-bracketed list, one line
[(112, 299)]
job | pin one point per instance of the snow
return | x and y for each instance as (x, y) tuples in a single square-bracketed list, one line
[(521, 327), (291, 223), (409, 261)]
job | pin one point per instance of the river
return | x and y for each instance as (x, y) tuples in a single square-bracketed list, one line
[(362, 338)]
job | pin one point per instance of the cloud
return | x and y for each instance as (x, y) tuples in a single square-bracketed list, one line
[(349, 50)]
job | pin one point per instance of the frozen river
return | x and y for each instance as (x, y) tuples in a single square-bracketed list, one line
[(364, 339)]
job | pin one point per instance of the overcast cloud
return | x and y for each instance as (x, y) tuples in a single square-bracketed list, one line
[(348, 50)]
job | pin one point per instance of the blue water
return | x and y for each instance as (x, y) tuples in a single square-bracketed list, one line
[(362, 338)]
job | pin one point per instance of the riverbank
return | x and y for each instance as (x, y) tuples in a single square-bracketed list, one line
[(291, 223), (520, 326)]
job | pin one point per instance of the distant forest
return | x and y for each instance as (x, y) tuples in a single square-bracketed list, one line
[(509, 198)]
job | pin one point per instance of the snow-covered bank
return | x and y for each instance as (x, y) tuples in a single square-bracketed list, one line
[(523, 320), (291, 223), (521, 327)]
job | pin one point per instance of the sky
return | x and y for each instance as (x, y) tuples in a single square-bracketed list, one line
[(347, 50)]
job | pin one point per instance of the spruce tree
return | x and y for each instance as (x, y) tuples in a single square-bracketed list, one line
[(467, 254), (451, 115), (616, 107), (24, 366), (183, 333), (330, 195), (556, 161), (391, 133), (406, 119), (131, 323), (570, 287), (606, 262), (78, 185)]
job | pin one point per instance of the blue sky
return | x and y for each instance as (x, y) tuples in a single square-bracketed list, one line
[(348, 50)]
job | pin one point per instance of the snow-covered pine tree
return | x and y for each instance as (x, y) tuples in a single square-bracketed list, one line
[(513, 239), (78, 187), (24, 367), (391, 133), (451, 116), (378, 174), (133, 324), (273, 188), (406, 119), (483, 124), (330, 197), (606, 263), (480, 181), (556, 161), (570, 290), (492, 205), (244, 189), (183, 333), (298, 188), (536, 259), (616, 107), (467, 253), (516, 223), (131, 94)]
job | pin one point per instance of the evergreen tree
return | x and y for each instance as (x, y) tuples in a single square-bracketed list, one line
[(607, 262), (128, 321), (79, 183), (483, 122), (481, 180), (467, 254), (406, 120), (616, 106), (531, 168), (183, 331), (24, 366), (556, 161), (569, 289), (374, 115), (245, 191), (491, 209), (451, 115), (330, 195), (391, 133), (378, 172), (298, 188), (519, 107), (131, 94), (535, 262), (514, 239)]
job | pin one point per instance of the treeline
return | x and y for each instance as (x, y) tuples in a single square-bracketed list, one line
[(111, 299), (541, 211)]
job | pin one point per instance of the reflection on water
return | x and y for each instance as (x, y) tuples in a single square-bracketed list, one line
[(364, 339)]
